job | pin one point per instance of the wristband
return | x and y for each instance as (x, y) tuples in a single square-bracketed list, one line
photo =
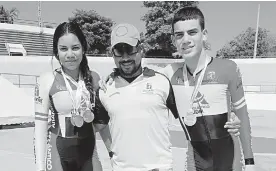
[(249, 161)]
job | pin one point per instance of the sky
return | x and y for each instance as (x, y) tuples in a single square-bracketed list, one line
[(224, 19)]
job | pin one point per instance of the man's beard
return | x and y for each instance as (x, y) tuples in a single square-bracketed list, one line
[(134, 73)]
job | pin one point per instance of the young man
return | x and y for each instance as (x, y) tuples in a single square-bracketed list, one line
[(211, 86), (138, 102)]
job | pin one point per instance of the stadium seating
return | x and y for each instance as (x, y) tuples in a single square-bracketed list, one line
[(36, 44)]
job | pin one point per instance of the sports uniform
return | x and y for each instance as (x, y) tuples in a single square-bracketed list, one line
[(139, 121), (69, 148), (211, 147)]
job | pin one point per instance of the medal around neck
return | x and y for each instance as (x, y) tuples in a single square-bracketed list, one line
[(78, 120), (190, 119), (88, 115)]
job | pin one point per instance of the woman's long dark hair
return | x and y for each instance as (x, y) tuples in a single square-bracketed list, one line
[(72, 27)]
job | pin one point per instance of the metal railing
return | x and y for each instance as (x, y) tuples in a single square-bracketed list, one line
[(248, 88), (19, 78)]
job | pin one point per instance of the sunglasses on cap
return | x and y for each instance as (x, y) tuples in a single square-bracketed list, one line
[(121, 48)]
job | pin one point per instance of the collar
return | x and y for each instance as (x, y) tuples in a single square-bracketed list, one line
[(201, 66), (146, 72)]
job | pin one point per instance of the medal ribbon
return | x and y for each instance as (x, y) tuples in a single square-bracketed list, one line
[(80, 90), (198, 83), (76, 101)]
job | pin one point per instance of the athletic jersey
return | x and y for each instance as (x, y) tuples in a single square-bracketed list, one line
[(221, 87), (51, 93), (61, 106), (139, 121)]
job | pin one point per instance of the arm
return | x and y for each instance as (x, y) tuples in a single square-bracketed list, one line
[(101, 123), (101, 115), (240, 109), (171, 104), (106, 137), (103, 82), (41, 120), (96, 163)]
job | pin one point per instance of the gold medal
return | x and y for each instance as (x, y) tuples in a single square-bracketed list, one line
[(78, 120), (88, 116), (190, 118)]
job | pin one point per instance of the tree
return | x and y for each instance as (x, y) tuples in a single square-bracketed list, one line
[(243, 45), (96, 28), (158, 22), (271, 46), (8, 16)]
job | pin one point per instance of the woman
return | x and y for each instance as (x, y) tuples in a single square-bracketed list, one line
[(70, 93)]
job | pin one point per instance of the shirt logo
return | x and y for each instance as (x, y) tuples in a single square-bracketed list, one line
[(61, 88), (239, 81), (148, 88), (37, 99), (200, 100), (211, 77), (179, 80)]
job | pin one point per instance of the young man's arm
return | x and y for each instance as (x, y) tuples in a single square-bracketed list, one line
[(41, 119), (240, 109)]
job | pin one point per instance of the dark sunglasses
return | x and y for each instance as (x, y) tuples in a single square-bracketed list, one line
[(120, 49)]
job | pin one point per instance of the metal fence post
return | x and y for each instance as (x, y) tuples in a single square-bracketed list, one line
[(19, 81)]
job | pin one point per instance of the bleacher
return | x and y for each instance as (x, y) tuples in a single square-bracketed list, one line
[(35, 42), (3, 50)]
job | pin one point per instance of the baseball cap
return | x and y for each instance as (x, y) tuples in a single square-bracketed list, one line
[(125, 33)]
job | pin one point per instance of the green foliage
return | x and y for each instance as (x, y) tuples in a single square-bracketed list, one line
[(243, 45), (96, 28), (8, 16), (158, 22)]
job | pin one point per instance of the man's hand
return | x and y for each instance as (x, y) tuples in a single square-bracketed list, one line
[(233, 125), (105, 81)]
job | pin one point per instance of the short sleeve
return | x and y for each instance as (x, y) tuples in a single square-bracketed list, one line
[(41, 96), (171, 104), (101, 114), (96, 78)]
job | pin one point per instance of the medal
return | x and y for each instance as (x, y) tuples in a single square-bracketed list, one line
[(190, 118), (88, 116), (81, 102), (78, 120)]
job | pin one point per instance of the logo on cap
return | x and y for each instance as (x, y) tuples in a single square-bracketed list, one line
[(121, 31)]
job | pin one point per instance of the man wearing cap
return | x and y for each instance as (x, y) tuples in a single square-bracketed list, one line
[(138, 102)]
